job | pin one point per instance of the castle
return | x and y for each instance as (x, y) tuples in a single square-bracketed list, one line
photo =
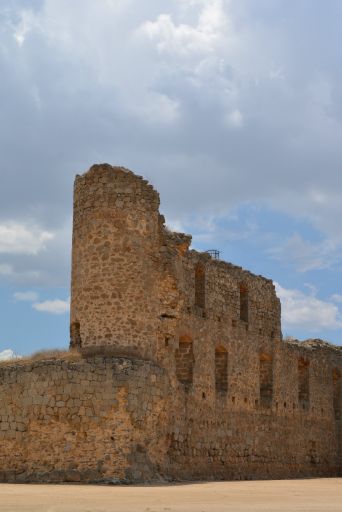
[(181, 373)]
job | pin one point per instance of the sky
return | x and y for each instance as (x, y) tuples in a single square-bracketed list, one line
[(231, 108)]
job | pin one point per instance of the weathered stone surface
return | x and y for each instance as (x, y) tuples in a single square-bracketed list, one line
[(109, 429), (184, 373)]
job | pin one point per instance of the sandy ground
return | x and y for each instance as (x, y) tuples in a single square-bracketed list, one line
[(323, 495)]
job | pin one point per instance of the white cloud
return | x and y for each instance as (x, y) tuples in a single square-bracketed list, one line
[(176, 225), (306, 311), (7, 355), (49, 267), (200, 62), (158, 108), (17, 238), (277, 74), (28, 296), (27, 23), (235, 118), (336, 297), (6, 269), (55, 306), (306, 255), (185, 39), (24, 277)]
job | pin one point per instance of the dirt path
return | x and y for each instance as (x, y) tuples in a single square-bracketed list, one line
[(321, 495)]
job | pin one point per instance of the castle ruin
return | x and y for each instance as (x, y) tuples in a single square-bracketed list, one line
[(183, 372)]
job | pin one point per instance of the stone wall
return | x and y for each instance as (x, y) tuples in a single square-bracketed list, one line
[(105, 419), (100, 419), (237, 435)]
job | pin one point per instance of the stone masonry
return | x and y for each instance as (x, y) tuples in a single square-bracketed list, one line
[(182, 370), (78, 421)]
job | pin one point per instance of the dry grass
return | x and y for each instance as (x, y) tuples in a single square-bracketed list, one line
[(44, 355)]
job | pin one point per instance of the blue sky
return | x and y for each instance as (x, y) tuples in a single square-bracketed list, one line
[(232, 109)]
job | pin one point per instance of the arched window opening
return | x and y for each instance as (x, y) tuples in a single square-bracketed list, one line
[(303, 383), (266, 379), (200, 285), (336, 375), (221, 370), (244, 306), (184, 361)]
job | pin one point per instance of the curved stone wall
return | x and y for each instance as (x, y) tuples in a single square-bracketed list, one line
[(115, 249)]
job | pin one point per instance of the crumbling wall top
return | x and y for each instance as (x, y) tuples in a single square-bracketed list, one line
[(105, 185), (313, 345)]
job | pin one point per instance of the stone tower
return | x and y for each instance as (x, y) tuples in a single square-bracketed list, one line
[(114, 262)]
